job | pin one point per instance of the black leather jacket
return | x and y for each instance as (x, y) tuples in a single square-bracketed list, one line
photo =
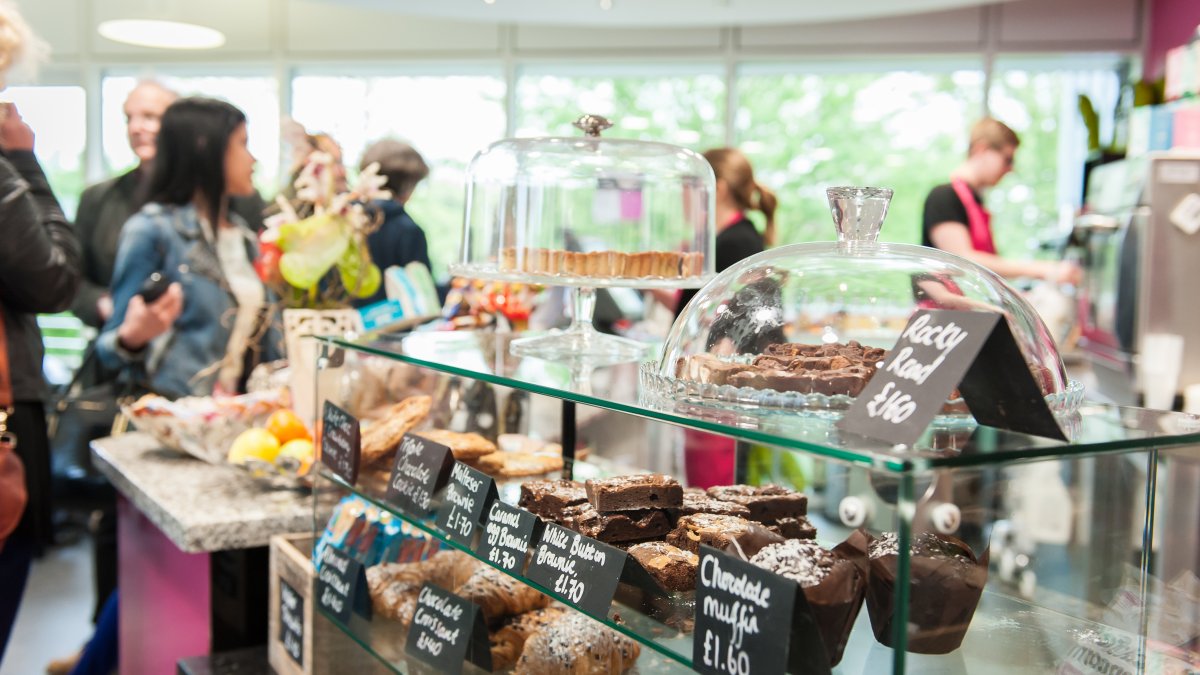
[(39, 266)]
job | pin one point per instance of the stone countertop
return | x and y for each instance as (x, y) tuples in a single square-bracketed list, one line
[(199, 506)]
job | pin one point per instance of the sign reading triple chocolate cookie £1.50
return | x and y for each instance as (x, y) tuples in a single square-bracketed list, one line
[(446, 630), (578, 569), (937, 351), (464, 501), (421, 469), (341, 447)]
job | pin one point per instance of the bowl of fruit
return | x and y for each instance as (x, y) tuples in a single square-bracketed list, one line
[(204, 426)]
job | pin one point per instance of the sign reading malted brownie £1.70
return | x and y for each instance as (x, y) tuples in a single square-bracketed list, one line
[(578, 569), (463, 502), (937, 351), (421, 469), (341, 447)]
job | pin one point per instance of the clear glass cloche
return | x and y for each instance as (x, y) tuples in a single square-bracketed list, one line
[(588, 212), (803, 326)]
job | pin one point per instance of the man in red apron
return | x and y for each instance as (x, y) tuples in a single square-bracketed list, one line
[(956, 221)]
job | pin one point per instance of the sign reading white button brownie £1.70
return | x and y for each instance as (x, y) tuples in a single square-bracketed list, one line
[(579, 569), (506, 536)]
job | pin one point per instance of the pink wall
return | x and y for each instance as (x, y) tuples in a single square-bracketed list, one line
[(1172, 23)]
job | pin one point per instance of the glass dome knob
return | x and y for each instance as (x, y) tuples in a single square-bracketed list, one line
[(592, 125), (858, 213)]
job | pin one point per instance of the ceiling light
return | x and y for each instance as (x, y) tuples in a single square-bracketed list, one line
[(605, 4), (161, 34)]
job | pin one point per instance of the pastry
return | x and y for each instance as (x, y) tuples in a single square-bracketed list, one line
[(499, 595), (673, 568), (696, 500), (548, 498), (602, 264), (467, 447), (380, 439), (833, 586), (394, 587), (945, 583), (720, 532), (767, 503), (515, 464), (634, 493), (618, 525), (577, 645), (508, 641)]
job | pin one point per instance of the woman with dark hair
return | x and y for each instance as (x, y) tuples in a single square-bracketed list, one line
[(211, 326)]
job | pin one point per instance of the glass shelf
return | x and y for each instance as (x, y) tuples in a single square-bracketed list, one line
[(956, 442)]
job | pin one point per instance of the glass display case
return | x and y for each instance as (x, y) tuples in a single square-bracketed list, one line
[(803, 327), (975, 551), (586, 213)]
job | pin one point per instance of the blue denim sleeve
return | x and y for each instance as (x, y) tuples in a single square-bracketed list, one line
[(140, 253)]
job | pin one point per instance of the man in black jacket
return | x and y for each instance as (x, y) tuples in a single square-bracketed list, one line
[(39, 273)]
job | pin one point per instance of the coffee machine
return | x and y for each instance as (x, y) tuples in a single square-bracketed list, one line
[(1142, 268)]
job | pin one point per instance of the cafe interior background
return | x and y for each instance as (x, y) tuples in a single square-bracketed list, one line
[(874, 92)]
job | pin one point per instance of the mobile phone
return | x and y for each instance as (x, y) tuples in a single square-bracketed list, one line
[(153, 288)]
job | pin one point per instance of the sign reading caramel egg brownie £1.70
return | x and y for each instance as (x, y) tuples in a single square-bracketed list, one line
[(942, 349), (341, 447)]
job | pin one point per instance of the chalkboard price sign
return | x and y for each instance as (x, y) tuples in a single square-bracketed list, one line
[(464, 501), (341, 449), (421, 469)]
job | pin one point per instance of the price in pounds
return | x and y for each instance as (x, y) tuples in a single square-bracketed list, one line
[(570, 588), (460, 523), (733, 661), (892, 405), (498, 556)]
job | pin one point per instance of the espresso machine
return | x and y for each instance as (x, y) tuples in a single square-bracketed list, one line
[(1142, 263)]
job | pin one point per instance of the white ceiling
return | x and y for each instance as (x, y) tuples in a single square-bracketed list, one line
[(672, 13)]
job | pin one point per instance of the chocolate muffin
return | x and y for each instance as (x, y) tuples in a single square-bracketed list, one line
[(833, 586), (946, 580)]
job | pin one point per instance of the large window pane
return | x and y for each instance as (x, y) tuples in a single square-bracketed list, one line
[(1040, 102), (257, 96), (58, 117), (904, 129), (447, 118), (685, 106)]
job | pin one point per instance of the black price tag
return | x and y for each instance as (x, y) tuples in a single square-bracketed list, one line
[(507, 533), (446, 630), (937, 351), (463, 502), (578, 569), (291, 622), (341, 449), (421, 468), (342, 586), (744, 621)]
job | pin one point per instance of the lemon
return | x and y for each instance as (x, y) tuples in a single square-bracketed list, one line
[(254, 444), (301, 449)]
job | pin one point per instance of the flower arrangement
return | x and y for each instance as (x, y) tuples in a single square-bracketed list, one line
[(322, 228)]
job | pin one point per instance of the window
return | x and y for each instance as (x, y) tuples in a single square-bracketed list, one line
[(904, 129), (1040, 101), (257, 96), (673, 104), (447, 118), (58, 117)]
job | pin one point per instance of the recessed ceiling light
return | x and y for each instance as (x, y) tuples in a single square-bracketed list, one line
[(605, 4), (161, 34)]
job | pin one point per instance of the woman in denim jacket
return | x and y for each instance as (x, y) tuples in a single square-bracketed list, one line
[(213, 324)]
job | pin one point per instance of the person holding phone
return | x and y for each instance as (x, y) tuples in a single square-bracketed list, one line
[(211, 325)]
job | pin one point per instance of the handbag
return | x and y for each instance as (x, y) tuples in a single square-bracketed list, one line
[(13, 493), (79, 414)]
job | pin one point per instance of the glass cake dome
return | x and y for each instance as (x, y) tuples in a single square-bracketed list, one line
[(803, 326), (588, 212)]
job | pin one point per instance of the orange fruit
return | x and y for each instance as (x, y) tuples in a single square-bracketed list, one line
[(286, 426)]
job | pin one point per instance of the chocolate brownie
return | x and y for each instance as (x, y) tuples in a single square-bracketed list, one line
[(673, 568), (720, 532), (619, 526), (635, 493), (794, 528), (548, 498), (767, 503), (697, 501)]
